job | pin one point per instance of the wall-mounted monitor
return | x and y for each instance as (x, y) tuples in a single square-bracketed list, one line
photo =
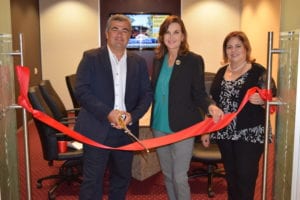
[(145, 28)]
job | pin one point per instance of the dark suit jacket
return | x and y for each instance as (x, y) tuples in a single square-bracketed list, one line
[(95, 92), (186, 90)]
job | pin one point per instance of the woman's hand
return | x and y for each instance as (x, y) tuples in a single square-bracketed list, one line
[(205, 140), (256, 99), (215, 112)]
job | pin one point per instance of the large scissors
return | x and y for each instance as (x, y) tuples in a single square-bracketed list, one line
[(129, 133)]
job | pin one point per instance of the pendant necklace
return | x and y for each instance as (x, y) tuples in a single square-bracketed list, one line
[(231, 71)]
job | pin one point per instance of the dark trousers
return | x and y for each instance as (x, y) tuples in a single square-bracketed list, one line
[(96, 161), (241, 161)]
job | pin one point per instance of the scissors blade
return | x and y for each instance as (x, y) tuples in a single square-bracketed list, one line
[(130, 134)]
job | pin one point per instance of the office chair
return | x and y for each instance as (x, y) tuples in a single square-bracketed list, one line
[(70, 170), (55, 103), (70, 81), (211, 156)]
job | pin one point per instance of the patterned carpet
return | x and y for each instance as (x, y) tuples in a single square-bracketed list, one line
[(149, 189)]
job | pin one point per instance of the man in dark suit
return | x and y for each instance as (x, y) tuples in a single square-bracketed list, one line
[(111, 82)]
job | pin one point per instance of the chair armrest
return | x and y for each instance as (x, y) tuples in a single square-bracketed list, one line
[(73, 110), (68, 120)]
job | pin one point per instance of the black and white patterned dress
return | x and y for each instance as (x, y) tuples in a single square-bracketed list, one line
[(229, 97)]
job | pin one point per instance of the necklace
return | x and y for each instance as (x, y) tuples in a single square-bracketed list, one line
[(232, 71), (237, 68)]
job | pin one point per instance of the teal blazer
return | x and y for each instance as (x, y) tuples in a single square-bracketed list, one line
[(186, 90)]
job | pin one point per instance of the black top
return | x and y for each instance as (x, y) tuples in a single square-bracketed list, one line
[(228, 95)]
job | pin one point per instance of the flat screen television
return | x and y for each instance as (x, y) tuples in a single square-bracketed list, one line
[(145, 28)]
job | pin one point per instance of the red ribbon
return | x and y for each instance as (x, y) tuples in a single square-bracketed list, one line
[(267, 95), (200, 128)]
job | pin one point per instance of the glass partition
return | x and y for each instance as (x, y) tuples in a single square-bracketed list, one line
[(287, 135), (8, 141)]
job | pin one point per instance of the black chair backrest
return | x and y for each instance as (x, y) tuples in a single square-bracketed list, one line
[(47, 134), (208, 79), (71, 81), (53, 100)]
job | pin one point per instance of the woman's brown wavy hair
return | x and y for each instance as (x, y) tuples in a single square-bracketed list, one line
[(244, 39), (161, 50)]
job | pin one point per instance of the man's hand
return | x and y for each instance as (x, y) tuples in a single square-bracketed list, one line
[(128, 119), (115, 116)]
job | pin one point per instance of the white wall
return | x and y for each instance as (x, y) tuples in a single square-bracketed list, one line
[(70, 27), (5, 17), (67, 29), (207, 23), (258, 18)]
